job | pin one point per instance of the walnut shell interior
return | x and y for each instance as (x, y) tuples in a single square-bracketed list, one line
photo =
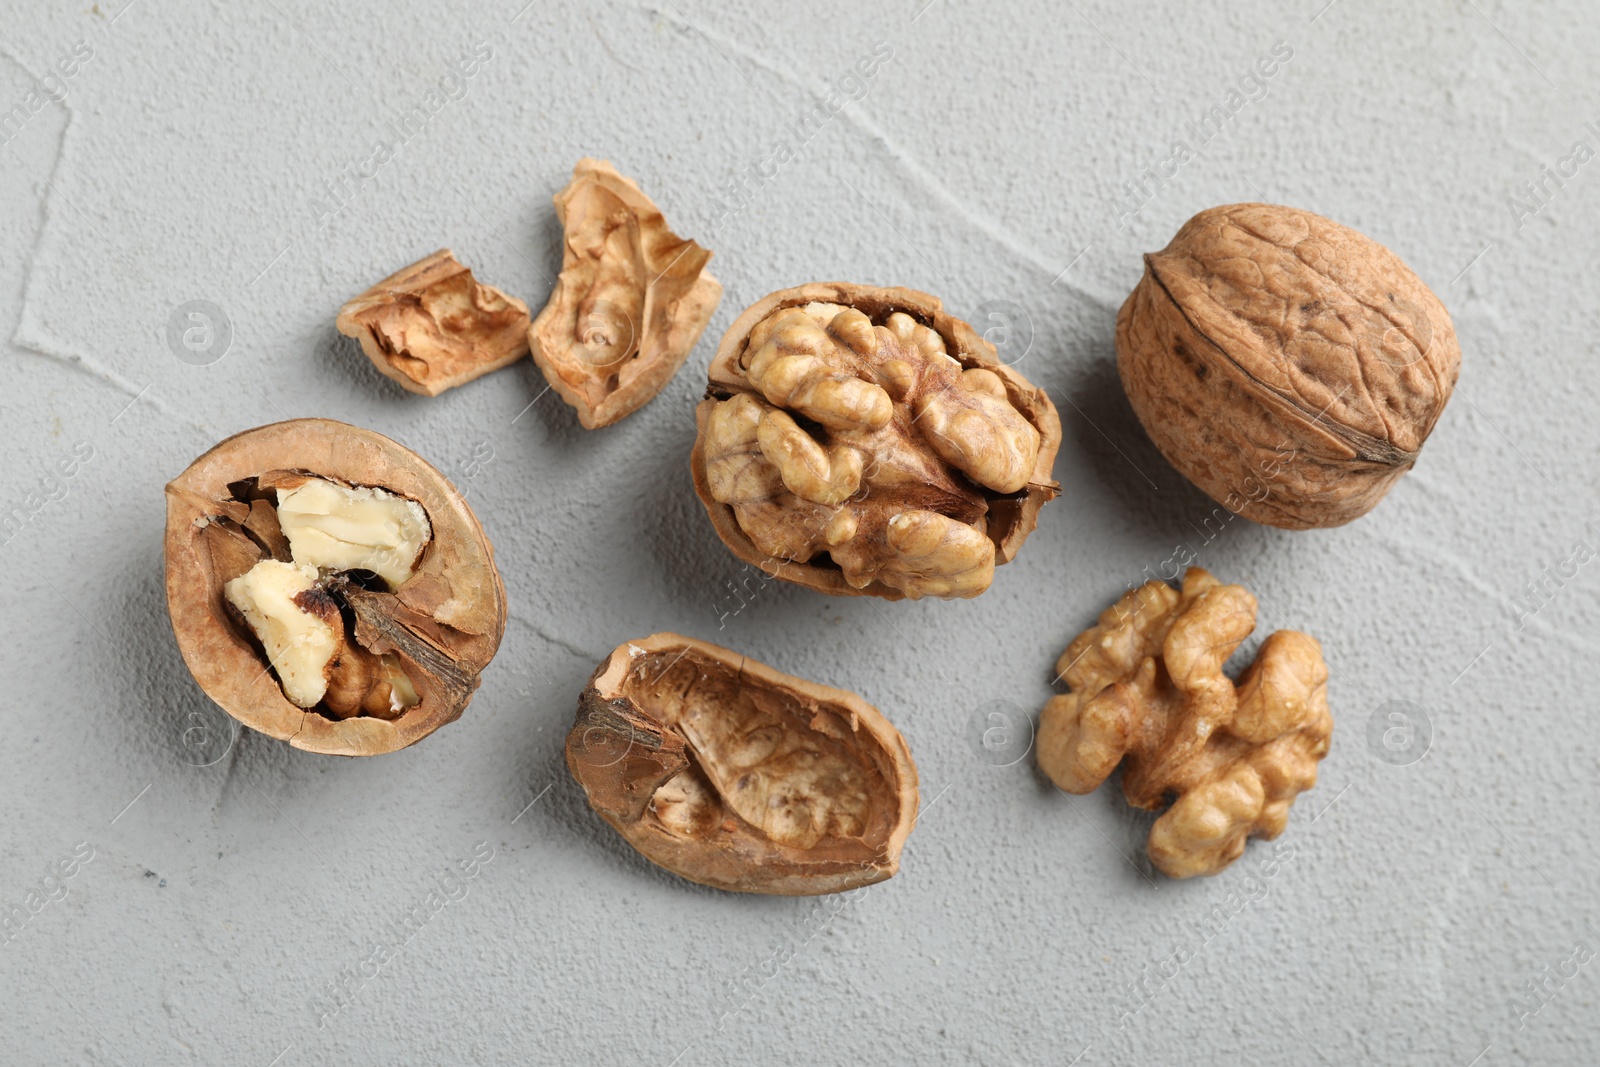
[(868, 479), (443, 624), (633, 298), (432, 326), (738, 776)]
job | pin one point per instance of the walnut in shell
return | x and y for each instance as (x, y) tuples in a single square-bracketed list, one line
[(1288, 366), (861, 440), (632, 299), (1148, 692), (432, 327), (329, 588), (740, 777)]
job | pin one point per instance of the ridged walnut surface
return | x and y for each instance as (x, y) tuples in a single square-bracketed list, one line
[(1287, 365), (1148, 692), (738, 776)]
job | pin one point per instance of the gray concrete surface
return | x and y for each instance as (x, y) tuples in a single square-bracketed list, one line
[(226, 153)]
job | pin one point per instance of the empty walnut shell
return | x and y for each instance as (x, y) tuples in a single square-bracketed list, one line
[(444, 622), (431, 326), (861, 440), (740, 777), (632, 299), (1288, 366)]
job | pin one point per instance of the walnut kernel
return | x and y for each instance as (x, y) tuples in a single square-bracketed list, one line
[(1148, 692)]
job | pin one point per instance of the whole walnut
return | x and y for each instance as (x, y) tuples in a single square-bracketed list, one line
[(862, 440), (1148, 693), (1287, 365)]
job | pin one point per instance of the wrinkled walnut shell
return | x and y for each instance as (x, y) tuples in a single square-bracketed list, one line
[(432, 327), (632, 299), (445, 622), (1148, 693), (1287, 365), (1004, 519), (740, 777)]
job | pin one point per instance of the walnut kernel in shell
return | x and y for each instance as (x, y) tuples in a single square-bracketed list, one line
[(384, 641), (861, 440)]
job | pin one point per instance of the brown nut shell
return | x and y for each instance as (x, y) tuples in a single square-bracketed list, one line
[(633, 298), (431, 326), (444, 623), (1287, 365), (738, 776), (922, 460)]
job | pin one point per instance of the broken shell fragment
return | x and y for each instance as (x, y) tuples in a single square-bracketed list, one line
[(632, 299), (432, 326), (740, 777), (330, 588)]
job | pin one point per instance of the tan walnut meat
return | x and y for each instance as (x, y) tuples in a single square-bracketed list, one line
[(861, 440), (329, 588), (737, 776), (632, 299), (1287, 365), (1148, 692), (432, 327)]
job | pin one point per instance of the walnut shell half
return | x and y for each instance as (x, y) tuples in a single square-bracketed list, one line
[(1287, 365), (430, 634), (861, 440), (632, 299), (740, 777)]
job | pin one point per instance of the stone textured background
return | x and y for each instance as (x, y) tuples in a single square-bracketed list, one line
[(200, 154)]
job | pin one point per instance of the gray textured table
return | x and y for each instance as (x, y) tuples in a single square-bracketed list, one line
[(223, 886)]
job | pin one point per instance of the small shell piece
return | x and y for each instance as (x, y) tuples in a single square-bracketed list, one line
[(432, 327), (1148, 692), (740, 777), (632, 299)]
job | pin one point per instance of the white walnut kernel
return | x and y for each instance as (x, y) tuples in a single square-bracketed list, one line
[(333, 527), (295, 623)]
